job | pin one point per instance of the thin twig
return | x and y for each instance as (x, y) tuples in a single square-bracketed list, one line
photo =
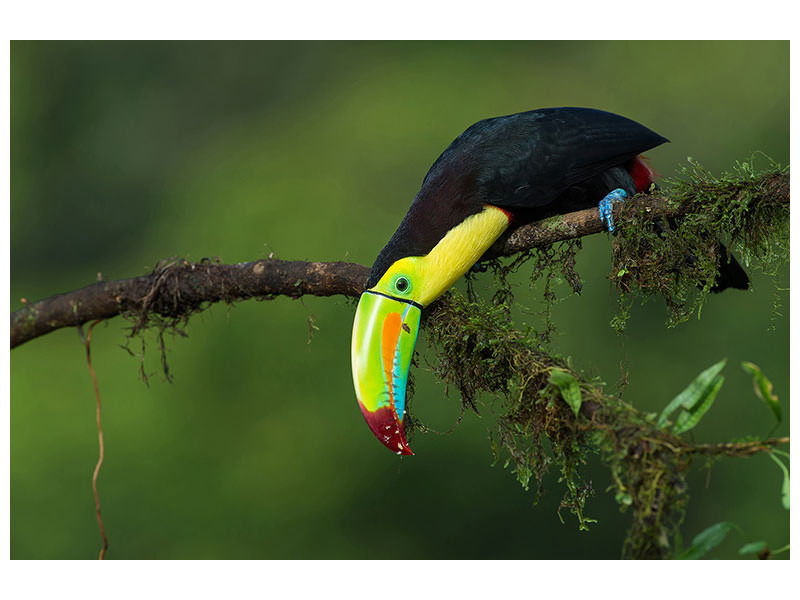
[(735, 448), (99, 442)]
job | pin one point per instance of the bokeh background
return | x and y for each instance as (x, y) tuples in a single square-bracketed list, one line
[(124, 154)]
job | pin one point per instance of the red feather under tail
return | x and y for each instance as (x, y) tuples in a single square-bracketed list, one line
[(642, 173)]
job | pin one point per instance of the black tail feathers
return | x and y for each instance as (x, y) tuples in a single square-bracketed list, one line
[(731, 274)]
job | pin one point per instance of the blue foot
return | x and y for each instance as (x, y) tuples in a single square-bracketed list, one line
[(607, 204)]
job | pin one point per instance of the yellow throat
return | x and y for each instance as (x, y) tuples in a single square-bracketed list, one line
[(429, 276)]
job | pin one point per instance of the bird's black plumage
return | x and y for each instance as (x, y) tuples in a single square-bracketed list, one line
[(525, 163)]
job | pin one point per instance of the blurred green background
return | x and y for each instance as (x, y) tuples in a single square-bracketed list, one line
[(124, 154)]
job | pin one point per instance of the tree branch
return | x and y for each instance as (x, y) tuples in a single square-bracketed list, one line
[(734, 448), (176, 289)]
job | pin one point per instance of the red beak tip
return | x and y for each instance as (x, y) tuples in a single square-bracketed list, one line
[(387, 428)]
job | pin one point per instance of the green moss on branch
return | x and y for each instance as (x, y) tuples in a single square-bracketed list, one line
[(656, 253)]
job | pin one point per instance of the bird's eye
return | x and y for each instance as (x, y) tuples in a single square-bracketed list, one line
[(402, 285)]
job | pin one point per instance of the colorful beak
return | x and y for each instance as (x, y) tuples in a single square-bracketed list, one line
[(384, 335)]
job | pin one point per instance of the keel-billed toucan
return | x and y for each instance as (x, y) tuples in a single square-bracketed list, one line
[(500, 173)]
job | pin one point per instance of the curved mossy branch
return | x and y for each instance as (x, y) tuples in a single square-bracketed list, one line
[(176, 289), (475, 348)]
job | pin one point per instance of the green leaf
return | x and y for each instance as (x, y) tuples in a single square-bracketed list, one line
[(763, 388), (707, 540), (785, 486), (569, 387), (688, 419), (696, 399), (752, 548)]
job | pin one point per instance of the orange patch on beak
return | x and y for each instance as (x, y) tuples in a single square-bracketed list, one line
[(390, 334)]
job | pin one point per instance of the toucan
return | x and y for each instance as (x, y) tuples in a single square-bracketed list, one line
[(500, 173)]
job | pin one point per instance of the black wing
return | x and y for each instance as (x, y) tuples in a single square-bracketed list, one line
[(528, 159)]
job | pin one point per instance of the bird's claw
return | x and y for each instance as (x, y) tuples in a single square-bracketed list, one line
[(606, 207)]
